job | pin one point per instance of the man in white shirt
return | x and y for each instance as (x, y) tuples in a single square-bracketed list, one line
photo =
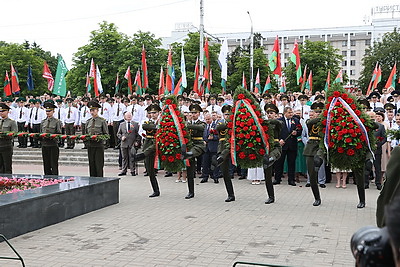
[(22, 117), (373, 98), (213, 105), (105, 113), (396, 126), (38, 115), (303, 107), (84, 115), (396, 100), (118, 117), (138, 112), (71, 122)]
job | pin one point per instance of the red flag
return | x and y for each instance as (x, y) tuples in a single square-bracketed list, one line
[(178, 87), (7, 86), (392, 78), (169, 82), (206, 57), (371, 82), (47, 75), (14, 80), (129, 78), (138, 83), (275, 59), (144, 69), (161, 83), (304, 78), (92, 71), (244, 84), (378, 77), (196, 78)]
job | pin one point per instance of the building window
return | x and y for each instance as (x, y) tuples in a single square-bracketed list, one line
[(286, 46), (352, 62), (353, 42), (344, 53), (352, 82), (344, 43), (344, 63), (352, 53), (368, 42), (286, 55), (345, 71), (352, 72)]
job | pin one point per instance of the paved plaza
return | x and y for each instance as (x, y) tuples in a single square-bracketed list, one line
[(203, 231)]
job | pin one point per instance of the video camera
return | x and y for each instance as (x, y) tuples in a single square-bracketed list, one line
[(371, 247)]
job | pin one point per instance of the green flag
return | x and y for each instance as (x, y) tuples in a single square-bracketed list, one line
[(60, 86)]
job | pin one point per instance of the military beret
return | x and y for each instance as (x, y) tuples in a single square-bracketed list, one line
[(194, 108), (8, 99), (153, 108), (4, 107), (93, 105), (49, 101), (271, 108), (38, 101), (32, 100)]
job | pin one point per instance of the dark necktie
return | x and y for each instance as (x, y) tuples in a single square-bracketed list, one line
[(390, 123), (129, 126), (30, 115), (69, 113), (374, 105), (118, 110), (36, 116), (48, 124), (20, 113), (302, 110), (395, 106), (212, 108), (102, 107), (84, 112), (59, 113), (288, 124)]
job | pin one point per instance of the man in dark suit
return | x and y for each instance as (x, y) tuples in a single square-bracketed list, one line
[(288, 140), (210, 136), (130, 140)]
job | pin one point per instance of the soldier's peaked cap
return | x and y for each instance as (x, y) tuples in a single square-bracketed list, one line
[(153, 108), (94, 105), (195, 108), (4, 107)]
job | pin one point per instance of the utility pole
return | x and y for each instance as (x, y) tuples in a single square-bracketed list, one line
[(251, 54)]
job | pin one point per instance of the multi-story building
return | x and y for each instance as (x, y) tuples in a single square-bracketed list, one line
[(351, 41)]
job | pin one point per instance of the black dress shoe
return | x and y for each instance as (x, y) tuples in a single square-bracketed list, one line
[(292, 183), (242, 177), (133, 174), (204, 180), (169, 174), (190, 195), (121, 173), (155, 195), (322, 185), (276, 182), (366, 186), (379, 186), (317, 202), (270, 200), (216, 181), (308, 184), (84, 147), (230, 199), (361, 205)]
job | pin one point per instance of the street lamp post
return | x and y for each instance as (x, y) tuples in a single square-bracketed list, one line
[(251, 54)]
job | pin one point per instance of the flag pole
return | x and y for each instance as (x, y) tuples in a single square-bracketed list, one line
[(251, 54), (201, 62)]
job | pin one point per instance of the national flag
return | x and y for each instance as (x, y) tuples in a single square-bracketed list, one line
[(128, 76), (60, 85), (138, 83), (88, 85), (267, 85), (206, 58), (244, 83), (328, 81), (178, 87), (14, 80), (183, 71), (7, 85), (47, 75), (145, 83), (161, 83), (304, 78), (283, 85), (196, 78), (339, 77), (29, 80), (170, 73), (309, 85), (274, 59), (257, 86), (392, 78), (117, 83), (92, 71), (98, 81), (295, 58), (378, 77), (371, 82), (223, 64)]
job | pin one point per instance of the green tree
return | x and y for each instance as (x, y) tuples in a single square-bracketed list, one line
[(319, 57), (386, 53)]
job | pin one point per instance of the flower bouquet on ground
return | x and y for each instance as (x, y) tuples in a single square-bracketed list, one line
[(248, 132), (347, 131), (11, 185), (171, 138)]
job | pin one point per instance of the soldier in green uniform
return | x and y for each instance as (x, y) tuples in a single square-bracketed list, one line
[(50, 150), (275, 149), (311, 150), (223, 159), (6, 142), (196, 130), (96, 126)]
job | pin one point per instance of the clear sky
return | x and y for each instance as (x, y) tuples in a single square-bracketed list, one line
[(63, 26)]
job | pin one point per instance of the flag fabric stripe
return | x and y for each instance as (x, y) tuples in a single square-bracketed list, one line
[(295, 58), (223, 64), (392, 78), (161, 83), (274, 59), (117, 83), (145, 83), (14, 80), (129, 78), (183, 70), (257, 86), (328, 82), (29, 81), (138, 84), (267, 85), (98, 80), (244, 83), (339, 77), (196, 78), (7, 85), (60, 85), (170, 73), (47, 75)]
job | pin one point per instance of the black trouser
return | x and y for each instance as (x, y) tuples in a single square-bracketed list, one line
[(70, 130), (35, 129), (22, 141), (111, 142), (6, 159), (359, 177), (149, 164), (268, 182), (191, 170), (61, 141), (115, 130), (50, 155), (83, 126), (96, 161), (313, 174), (291, 160), (378, 171), (227, 177)]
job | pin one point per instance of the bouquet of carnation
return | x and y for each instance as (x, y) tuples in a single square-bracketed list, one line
[(171, 137), (393, 134), (346, 130), (248, 132)]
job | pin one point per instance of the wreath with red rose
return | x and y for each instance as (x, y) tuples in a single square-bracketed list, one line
[(171, 136), (249, 140), (344, 137)]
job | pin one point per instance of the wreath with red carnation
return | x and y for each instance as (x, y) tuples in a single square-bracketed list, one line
[(249, 139), (346, 130), (171, 137)]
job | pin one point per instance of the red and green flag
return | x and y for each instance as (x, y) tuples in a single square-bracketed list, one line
[(145, 82), (7, 85), (328, 81), (14, 80), (47, 75), (117, 83), (371, 82), (244, 83), (295, 58), (257, 85), (339, 77), (267, 85), (170, 73), (274, 59), (392, 78), (309, 84), (283, 85), (196, 78), (378, 77), (128, 76), (138, 83), (161, 86), (304, 79), (88, 86)]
